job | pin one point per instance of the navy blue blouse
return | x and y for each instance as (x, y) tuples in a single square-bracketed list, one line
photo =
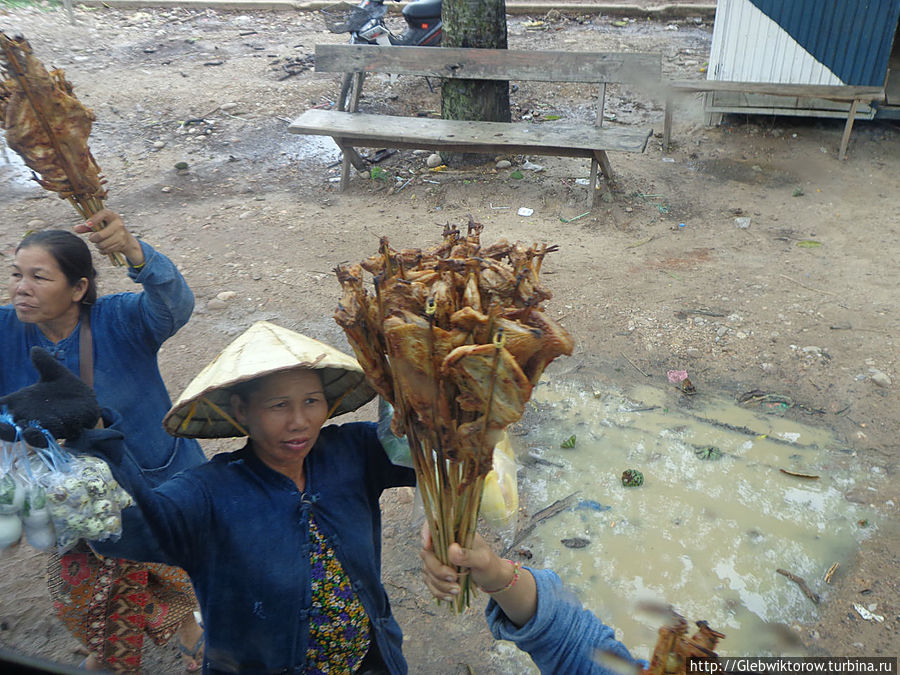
[(240, 530), (127, 331)]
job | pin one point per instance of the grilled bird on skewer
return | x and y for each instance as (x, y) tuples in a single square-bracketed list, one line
[(455, 338)]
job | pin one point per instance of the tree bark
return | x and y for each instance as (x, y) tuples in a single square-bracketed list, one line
[(482, 24)]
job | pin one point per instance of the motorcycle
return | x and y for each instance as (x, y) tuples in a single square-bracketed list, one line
[(366, 25)]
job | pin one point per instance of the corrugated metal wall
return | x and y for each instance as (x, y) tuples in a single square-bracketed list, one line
[(803, 41)]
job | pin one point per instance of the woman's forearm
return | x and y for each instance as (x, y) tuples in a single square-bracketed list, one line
[(518, 597)]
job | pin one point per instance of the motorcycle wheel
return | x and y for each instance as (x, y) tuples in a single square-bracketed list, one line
[(351, 88)]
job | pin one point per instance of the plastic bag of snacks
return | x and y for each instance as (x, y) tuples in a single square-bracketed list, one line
[(12, 496), (56, 498), (85, 502), (12, 490)]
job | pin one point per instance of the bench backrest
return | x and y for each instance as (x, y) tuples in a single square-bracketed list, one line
[(491, 64)]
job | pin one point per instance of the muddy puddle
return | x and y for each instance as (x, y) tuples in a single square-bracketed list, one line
[(714, 519)]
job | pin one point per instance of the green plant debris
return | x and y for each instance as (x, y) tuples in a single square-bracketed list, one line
[(632, 478), (581, 215), (711, 452)]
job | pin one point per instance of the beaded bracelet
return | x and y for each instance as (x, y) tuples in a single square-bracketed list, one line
[(512, 582)]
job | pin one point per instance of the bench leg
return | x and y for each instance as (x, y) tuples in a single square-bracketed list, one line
[(601, 161), (845, 139), (349, 156), (345, 171), (356, 91), (667, 125), (601, 158), (351, 90)]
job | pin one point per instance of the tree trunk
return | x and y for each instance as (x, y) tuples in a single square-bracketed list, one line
[(474, 23)]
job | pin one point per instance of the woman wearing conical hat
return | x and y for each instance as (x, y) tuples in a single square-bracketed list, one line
[(282, 538)]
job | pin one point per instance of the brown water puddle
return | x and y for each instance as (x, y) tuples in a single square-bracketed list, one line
[(703, 534)]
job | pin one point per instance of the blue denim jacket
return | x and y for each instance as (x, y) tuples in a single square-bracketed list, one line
[(240, 530), (562, 637), (127, 330)]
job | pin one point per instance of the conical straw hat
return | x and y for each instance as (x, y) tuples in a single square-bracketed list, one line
[(204, 409)]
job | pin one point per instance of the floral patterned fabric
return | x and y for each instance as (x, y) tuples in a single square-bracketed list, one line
[(339, 626)]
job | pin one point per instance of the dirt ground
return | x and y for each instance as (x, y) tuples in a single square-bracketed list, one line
[(657, 276)]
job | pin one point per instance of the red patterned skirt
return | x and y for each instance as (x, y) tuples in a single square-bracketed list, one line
[(110, 605)]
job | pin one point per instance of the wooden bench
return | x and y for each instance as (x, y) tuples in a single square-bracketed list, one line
[(842, 93), (351, 129)]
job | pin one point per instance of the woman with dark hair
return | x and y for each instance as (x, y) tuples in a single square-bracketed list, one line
[(112, 343)]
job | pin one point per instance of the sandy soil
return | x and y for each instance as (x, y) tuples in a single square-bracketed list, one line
[(657, 277)]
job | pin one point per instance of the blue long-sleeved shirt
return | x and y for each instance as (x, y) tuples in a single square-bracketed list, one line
[(127, 331), (241, 531), (562, 637)]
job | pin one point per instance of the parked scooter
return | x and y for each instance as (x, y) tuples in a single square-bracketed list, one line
[(366, 26)]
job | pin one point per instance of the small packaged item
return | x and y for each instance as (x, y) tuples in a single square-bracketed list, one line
[(53, 497)]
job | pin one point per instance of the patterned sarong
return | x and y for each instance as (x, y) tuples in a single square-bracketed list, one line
[(111, 604)]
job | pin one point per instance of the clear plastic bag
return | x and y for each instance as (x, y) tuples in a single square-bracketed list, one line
[(12, 490), (40, 532), (12, 493), (396, 447), (12, 497), (58, 498), (85, 502)]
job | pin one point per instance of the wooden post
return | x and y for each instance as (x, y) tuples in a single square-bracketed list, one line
[(605, 167), (356, 90), (667, 124), (848, 127), (68, 5), (592, 186), (601, 104), (350, 156), (345, 169)]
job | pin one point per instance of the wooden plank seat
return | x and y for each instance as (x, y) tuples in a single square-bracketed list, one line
[(351, 129), (854, 95)]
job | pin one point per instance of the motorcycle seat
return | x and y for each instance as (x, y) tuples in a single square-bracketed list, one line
[(423, 9)]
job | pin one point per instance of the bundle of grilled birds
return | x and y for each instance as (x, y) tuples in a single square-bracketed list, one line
[(674, 650), (48, 127), (455, 338)]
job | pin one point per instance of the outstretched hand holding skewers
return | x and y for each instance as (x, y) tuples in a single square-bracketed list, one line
[(509, 584), (110, 236), (531, 608)]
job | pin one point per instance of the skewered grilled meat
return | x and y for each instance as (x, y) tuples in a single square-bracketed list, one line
[(455, 338), (46, 124)]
